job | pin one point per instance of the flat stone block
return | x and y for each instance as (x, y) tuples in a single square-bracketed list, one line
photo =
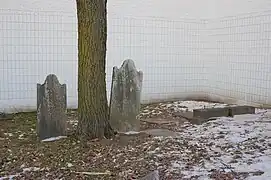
[(238, 110), (228, 111), (210, 112), (188, 115)]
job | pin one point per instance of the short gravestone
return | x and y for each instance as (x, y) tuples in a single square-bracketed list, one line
[(51, 108), (125, 97)]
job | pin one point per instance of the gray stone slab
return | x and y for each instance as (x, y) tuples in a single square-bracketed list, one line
[(184, 114), (199, 116), (125, 97), (222, 111), (238, 110), (51, 108), (210, 112)]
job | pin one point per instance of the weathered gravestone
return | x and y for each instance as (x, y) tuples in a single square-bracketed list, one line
[(51, 108), (125, 97)]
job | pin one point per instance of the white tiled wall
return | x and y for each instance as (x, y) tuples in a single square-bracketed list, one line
[(185, 48), (239, 62), (223, 8), (34, 45), (167, 51)]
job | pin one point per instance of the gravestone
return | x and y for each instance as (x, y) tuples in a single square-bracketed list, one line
[(125, 97), (51, 108)]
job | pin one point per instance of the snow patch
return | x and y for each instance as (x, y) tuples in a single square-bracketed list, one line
[(10, 177), (69, 165), (238, 144), (30, 169), (53, 138), (241, 144), (131, 132)]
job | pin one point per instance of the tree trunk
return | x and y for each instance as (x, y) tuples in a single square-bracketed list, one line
[(93, 112)]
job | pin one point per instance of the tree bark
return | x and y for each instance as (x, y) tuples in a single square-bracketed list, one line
[(93, 115)]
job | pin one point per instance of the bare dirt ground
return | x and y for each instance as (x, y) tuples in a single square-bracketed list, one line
[(226, 148)]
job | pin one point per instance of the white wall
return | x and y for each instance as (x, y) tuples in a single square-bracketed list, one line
[(238, 55), (158, 8), (239, 59), (37, 40), (186, 49), (222, 8), (40, 38)]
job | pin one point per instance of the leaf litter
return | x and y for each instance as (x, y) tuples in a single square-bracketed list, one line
[(225, 148)]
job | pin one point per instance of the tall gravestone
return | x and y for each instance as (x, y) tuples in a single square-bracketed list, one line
[(51, 108), (125, 97)]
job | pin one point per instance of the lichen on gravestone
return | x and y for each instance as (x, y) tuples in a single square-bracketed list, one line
[(125, 97), (51, 108)]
